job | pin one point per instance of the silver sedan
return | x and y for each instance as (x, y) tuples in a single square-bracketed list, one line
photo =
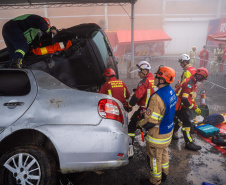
[(46, 126)]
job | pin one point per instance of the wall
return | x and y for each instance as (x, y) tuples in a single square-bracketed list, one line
[(176, 17)]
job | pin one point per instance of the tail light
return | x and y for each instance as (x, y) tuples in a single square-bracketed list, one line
[(109, 109)]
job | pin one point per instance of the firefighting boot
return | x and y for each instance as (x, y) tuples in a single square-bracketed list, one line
[(164, 176), (131, 150), (17, 63), (174, 136), (145, 182), (192, 146)]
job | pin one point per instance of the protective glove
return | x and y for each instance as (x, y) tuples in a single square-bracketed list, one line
[(198, 111), (17, 63), (139, 123), (127, 107)]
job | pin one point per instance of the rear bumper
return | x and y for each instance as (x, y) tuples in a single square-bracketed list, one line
[(88, 148)]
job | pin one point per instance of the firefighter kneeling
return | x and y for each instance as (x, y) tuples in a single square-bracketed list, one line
[(159, 124), (185, 103)]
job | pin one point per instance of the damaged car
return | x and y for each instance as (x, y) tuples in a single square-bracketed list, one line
[(52, 118)]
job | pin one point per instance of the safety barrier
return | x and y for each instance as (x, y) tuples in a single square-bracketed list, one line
[(217, 71)]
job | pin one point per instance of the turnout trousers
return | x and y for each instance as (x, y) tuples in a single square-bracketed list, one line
[(132, 124), (158, 160), (185, 116), (14, 39)]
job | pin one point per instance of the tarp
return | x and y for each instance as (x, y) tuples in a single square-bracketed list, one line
[(222, 127), (221, 38), (142, 36), (216, 31)]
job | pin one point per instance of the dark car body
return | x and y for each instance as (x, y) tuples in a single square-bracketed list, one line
[(82, 65)]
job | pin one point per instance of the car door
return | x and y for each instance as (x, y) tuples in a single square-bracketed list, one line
[(17, 92)]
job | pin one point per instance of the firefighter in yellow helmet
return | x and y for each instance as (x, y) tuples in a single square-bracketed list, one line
[(158, 123)]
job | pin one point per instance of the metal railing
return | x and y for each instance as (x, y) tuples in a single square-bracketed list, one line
[(217, 71)]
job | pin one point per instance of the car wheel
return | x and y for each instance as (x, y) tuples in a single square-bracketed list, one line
[(27, 165)]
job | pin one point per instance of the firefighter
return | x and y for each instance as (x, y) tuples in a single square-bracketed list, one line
[(159, 123), (188, 71), (21, 31), (141, 95), (218, 53), (115, 88), (192, 55), (204, 57), (223, 59), (185, 103)]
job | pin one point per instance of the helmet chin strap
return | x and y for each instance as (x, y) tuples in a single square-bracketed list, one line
[(159, 82), (143, 73), (159, 78)]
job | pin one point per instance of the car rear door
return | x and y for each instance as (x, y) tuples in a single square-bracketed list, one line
[(17, 92)]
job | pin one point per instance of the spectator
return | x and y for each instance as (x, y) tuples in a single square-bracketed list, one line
[(192, 55), (223, 58), (204, 57), (218, 53)]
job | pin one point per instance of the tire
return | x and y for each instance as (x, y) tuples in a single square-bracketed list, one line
[(27, 164)]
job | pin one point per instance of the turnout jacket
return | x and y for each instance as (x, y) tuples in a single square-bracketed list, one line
[(218, 52), (31, 26), (189, 71), (159, 117), (115, 88), (143, 92), (184, 94)]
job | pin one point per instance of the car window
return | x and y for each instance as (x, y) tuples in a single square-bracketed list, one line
[(101, 42), (14, 83)]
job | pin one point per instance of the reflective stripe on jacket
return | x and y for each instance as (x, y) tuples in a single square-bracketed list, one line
[(31, 25), (160, 111), (115, 88), (189, 71), (59, 46), (185, 91), (144, 90)]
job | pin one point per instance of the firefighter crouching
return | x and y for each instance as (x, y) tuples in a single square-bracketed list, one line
[(20, 32), (185, 103), (115, 88), (141, 96), (159, 124)]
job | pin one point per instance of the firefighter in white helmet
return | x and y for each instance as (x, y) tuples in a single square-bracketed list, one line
[(188, 71), (141, 95)]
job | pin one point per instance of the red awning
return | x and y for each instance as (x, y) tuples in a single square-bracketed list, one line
[(217, 37), (141, 36)]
